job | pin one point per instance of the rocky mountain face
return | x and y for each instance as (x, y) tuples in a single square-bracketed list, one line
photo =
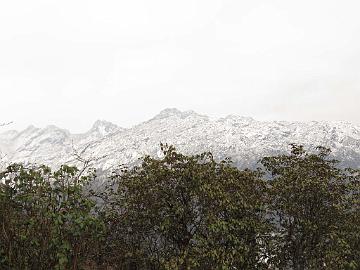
[(242, 139)]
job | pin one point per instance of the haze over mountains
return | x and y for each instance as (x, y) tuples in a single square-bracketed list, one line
[(243, 139)]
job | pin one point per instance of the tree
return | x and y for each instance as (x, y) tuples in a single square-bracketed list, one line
[(186, 212), (45, 218), (183, 212), (311, 203)]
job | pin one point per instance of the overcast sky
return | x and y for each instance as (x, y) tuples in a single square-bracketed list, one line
[(72, 62)]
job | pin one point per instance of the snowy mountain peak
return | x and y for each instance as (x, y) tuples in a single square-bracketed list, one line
[(242, 139), (173, 112), (30, 128), (103, 127), (53, 128)]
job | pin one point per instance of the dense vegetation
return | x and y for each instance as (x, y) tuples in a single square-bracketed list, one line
[(297, 211)]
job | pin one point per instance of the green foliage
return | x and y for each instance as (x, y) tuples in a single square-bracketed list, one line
[(186, 212), (45, 219), (312, 207), (301, 211)]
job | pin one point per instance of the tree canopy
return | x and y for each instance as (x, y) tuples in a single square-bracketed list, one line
[(297, 211)]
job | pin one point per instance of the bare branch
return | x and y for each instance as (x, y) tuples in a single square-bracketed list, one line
[(3, 156), (86, 162), (5, 124)]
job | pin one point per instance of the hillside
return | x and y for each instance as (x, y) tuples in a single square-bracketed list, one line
[(243, 139)]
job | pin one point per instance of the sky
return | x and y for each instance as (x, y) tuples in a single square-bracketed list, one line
[(69, 63)]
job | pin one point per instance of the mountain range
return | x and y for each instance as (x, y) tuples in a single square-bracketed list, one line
[(242, 139)]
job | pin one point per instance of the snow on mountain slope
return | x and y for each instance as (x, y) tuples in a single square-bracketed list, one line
[(242, 139)]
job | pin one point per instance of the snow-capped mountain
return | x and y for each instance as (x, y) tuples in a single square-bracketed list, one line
[(243, 139)]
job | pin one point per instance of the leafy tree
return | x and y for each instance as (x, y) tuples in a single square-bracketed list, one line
[(351, 227), (186, 212), (45, 218), (311, 205), (183, 212)]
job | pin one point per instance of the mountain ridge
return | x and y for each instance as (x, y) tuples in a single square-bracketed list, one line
[(243, 139)]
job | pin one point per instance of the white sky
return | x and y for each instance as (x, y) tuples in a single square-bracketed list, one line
[(69, 63)]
